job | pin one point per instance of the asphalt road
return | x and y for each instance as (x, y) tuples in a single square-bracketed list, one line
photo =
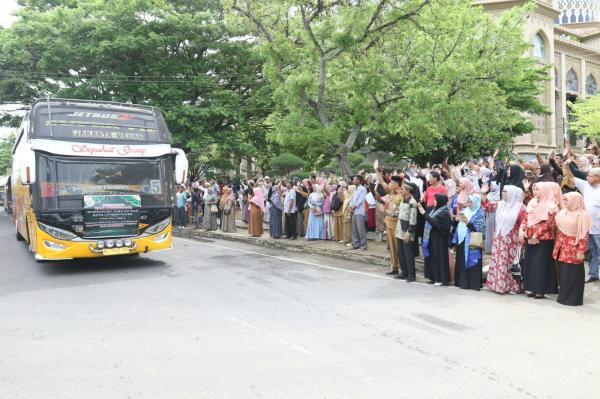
[(215, 319)]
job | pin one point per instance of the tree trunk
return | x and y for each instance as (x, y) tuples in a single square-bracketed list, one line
[(344, 149), (342, 157)]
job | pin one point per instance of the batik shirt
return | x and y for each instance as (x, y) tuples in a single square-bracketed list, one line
[(407, 219)]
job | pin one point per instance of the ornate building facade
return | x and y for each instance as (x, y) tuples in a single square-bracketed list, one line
[(566, 35)]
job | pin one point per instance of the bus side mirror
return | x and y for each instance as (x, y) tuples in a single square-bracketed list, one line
[(27, 168), (181, 166)]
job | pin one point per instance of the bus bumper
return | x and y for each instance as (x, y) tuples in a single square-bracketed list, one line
[(51, 248)]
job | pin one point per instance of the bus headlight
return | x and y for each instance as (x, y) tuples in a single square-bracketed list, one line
[(119, 243), (127, 242), (100, 244), (56, 232), (110, 244), (158, 227), (53, 245)]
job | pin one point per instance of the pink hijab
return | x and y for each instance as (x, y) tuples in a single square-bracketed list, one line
[(574, 220), (539, 208), (258, 199), (467, 189)]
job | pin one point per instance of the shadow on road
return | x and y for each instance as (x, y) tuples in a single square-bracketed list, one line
[(99, 266)]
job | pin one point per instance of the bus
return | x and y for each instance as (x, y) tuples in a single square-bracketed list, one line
[(93, 179)]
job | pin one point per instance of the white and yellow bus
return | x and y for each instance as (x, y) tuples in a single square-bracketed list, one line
[(92, 179)]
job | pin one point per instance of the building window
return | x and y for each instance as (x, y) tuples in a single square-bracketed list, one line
[(539, 46), (556, 81), (572, 82), (590, 85)]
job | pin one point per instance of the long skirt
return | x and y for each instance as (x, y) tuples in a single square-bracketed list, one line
[(437, 264), (210, 219), (466, 278), (328, 226), (504, 251), (348, 231), (539, 270), (338, 226), (490, 226), (314, 230), (255, 225), (371, 219), (228, 222), (572, 282), (275, 222), (245, 213)]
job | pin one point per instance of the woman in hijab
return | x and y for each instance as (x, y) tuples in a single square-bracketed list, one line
[(514, 177), (452, 208), (468, 264), (314, 229), (510, 211), (210, 209), (465, 187), (256, 209), (276, 211), (328, 229), (537, 231), (435, 244), (338, 215), (490, 215), (545, 174), (228, 210), (347, 215), (573, 223)]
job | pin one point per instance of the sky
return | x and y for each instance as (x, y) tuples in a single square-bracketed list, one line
[(6, 7)]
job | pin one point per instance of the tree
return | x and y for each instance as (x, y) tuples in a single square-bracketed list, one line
[(586, 117), (286, 162), (6, 146), (415, 77), (178, 55)]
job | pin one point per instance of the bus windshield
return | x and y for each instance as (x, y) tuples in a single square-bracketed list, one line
[(62, 182)]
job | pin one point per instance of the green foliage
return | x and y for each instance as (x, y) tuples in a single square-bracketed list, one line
[(586, 117), (178, 55), (421, 79), (285, 163), (6, 146)]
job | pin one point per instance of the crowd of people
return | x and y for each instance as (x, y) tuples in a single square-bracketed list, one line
[(538, 221)]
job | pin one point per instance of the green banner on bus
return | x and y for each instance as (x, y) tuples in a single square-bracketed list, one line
[(111, 215)]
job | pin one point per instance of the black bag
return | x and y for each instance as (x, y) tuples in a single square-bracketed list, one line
[(336, 204)]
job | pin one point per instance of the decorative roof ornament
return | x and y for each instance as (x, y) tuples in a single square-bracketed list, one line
[(575, 11)]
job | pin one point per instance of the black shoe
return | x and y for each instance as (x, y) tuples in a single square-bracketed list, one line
[(410, 279), (530, 295), (400, 277), (591, 279), (429, 281), (393, 272), (539, 296)]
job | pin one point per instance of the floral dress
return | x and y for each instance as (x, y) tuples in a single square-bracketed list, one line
[(504, 252)]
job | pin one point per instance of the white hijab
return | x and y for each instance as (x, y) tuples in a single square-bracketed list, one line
[(508, 211)]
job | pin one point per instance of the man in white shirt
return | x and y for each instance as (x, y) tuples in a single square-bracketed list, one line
[(290, 209), (590, 190)]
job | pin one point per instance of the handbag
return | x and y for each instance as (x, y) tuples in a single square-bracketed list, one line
[(515, 268), (214, 209), (227, 211), (476, 239)]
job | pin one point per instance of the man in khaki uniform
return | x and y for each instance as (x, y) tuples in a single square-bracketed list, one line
[(394, 198)]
